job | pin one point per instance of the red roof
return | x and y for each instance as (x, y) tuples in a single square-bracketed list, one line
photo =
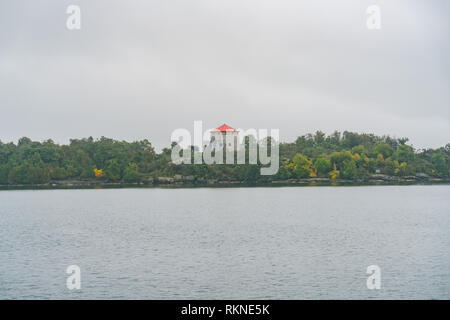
[(224, 128)]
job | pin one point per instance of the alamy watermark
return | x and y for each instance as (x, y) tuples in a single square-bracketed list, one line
[(374, 280), (237, 146), (73, 281), (73, 21), (373, 21)]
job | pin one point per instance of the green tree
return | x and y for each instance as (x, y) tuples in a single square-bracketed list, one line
[(323, 166), (348, 169), (4, 170), (319, 137), (112, 170), (382, 148), (359, 149), (339, 157), (302, 166), (439, 163), (131, 173), (404, 153)]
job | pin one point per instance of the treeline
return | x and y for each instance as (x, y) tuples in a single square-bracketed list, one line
[(347, 156), (352, 155)]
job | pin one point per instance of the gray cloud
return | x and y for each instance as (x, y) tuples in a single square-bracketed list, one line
[(140, 69)]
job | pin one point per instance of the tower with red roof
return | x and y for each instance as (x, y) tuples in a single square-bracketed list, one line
[(220, 135)]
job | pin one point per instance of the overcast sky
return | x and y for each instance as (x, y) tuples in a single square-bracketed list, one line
[(140, 69)]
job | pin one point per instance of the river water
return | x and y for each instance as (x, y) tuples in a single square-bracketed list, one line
[(226, 243)]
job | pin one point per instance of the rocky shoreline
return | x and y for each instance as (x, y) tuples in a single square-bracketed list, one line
[(190, 181)]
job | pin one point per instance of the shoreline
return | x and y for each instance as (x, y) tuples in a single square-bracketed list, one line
[(171, 183)]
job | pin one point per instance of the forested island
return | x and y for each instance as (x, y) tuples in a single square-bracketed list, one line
[(312, 159)]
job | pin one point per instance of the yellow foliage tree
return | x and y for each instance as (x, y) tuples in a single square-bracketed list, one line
[(366, 161), (98, 173), (380, 159), (313, 173), (334, 173)]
